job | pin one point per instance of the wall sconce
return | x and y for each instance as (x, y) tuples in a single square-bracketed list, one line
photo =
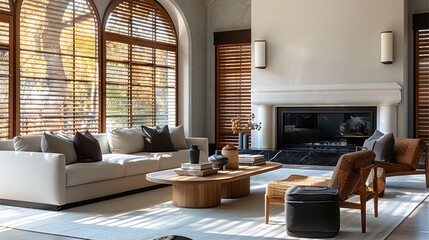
[(387, 47), (260, 53)]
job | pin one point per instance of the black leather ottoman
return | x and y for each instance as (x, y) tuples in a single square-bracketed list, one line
[(312, 211)]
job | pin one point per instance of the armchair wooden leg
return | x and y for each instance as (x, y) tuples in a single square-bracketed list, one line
[(267, 209), (376, 193), (363, 213)]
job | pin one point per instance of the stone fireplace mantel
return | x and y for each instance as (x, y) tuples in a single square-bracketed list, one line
[(385, 96)]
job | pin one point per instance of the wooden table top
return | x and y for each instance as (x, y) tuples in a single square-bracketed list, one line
[(170, 177)]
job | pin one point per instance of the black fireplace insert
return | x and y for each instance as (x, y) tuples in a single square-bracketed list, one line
[(324, 127)]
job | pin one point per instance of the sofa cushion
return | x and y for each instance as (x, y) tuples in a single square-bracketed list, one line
[(104, 143), (134, 164), (157, 139), (126, 140), (83, 173), (87, 147), (177, 135), (51, 143), (27, 143), (382, 145), (168, 160)]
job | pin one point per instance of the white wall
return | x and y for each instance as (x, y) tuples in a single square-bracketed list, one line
[(222, 15), (328, 42)]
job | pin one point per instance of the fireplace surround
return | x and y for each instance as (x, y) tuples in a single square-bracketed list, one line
[(266, 99)]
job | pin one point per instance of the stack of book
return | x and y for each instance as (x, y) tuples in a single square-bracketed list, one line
[(251, 160), (198, 169)]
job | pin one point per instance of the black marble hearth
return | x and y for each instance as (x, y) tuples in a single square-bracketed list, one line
[(321, 157)]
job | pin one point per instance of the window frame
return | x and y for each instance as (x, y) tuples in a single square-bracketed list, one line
[(420, 22), (17, 79), (109, 36), (229, 38), (8, 16)]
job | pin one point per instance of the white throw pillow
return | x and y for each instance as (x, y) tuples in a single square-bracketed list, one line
[(126, 140), (27, 143), (177, 135), (59, 144)]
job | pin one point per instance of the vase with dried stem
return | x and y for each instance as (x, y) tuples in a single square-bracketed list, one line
[(239, 124)]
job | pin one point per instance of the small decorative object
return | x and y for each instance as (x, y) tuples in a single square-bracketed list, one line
[(194, 154), (238, 127), (240, 140), (232, 153), (245, 141), (218, 160)]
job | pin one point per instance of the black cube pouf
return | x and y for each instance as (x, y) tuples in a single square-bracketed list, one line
[(312, 211)]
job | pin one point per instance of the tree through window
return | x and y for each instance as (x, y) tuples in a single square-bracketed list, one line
[(59, 66)]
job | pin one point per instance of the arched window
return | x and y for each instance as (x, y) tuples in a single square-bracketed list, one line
[(6, 36), (141, 65), (59, 66)]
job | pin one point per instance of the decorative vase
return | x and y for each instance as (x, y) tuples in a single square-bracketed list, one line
[(245, 141), (218, 160), (194, 154), (240, 140), (232, 153)]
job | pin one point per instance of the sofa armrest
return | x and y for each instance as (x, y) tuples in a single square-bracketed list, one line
[(203, 144), (33, 177)]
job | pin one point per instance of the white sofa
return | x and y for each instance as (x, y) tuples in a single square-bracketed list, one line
[(43, 180)]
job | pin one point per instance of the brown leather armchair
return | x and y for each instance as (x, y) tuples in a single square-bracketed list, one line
[(407, 153)]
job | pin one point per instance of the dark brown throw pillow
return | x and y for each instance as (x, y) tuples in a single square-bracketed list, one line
[(157, 140), (87, 147)]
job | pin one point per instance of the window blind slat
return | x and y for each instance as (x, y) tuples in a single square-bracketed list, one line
[(422, 84), (233, 83), (141, 49), (5, 74), (59, 72)]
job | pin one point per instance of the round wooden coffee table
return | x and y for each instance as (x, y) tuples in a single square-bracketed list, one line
[(204, 192)]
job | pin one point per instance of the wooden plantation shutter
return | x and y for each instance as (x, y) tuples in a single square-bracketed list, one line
[(5, 6), (421, 75), (6, 100), (59, 66), (141, 65), (233, 83)]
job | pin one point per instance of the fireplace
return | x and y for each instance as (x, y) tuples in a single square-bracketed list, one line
[(341, 128), (266, 99)]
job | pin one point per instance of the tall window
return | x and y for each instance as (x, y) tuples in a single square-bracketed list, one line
[(233, 82), (59, 66), (421, 75), (6, 23), (141, 65)]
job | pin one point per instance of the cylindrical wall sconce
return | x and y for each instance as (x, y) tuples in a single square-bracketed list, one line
[(387, 47), (260, 53)]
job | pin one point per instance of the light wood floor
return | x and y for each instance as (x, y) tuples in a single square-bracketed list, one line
[(415, 227)]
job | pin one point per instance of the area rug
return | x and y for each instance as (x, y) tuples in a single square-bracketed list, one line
[(150, 214)]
